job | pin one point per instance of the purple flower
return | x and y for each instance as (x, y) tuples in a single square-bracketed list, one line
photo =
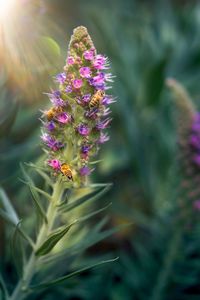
[(64, 118), (85, 149), (86, 98), (106, 112), (60, 78), (108, 100), (83, 130), (98, 81), (109, 77), (196, 160), (196, 127), (70, 60), (77, 83), (54, 163), (195, 141), (103, 138), (56, 94), (50, 126), (196, 205), (85, 171), (197, 117), (68, 89), (89, 54), (51, 142), (55, 98), (92, 114), (85, 72), (100, 62), (57, 145), (46, 137), (103, 124)]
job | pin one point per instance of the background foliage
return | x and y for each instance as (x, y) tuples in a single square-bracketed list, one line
[(146, 42)]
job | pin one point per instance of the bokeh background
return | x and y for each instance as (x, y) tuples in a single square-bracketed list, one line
[(146, 42)]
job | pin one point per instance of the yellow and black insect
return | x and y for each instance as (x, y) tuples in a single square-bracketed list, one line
[(66, 171), (52, 112), (96, 99)]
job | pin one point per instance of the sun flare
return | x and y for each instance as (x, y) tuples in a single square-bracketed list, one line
[(5, 6)]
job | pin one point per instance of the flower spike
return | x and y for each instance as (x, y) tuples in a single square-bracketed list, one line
[(74, 127)]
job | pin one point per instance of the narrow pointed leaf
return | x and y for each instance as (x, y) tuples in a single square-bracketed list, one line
[(10, 221), (3, 290), (35, 196), (92, 214), (38, 205), (17, 250), (52, 240), (41, 172), (93, 196), (33, 187), (8, 207), (75, 273)]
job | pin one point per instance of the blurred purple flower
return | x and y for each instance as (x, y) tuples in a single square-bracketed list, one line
[(196, 205), (70, 60), (103, 124), (54, 163), (60, 78), (83, 130), (85, 72), (104, 137), (89, 54), (85, 171), (77, 83), (64, 118)]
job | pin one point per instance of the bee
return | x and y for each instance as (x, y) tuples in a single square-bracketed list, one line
[(66, 171), (52, 112), (96, 99)]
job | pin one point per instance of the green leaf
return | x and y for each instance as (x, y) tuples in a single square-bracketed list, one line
[(93, 196), (10, 221), (75, 273), (17, 250), (41, 172), (8, 207), (92, 214), (38, 206), (35, 196), (52, 240), (57, 235), (3, 290), (33, 187), (51, 45)]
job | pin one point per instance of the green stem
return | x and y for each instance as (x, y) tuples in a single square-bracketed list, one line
[(21, 290)]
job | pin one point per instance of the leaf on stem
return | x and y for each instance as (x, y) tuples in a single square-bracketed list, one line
[(75, 273), (36, 198), (8, 207), (92, 196), (53, 239), (17, 250), (3, 290)]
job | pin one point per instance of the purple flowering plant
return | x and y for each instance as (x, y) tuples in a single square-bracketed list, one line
[(73, 129), (72, 134), (189, 146)]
